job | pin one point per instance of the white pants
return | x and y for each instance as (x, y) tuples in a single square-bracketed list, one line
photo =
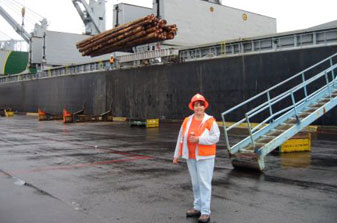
[(201, 173)]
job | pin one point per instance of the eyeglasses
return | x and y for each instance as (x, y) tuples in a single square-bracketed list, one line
[(200, 103)]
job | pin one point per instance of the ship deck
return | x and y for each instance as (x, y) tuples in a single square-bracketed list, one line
[(109, 172)]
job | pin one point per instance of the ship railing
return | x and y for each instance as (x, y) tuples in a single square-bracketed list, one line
[(123, 61), (58, 71), (278, 100), (277, 42)]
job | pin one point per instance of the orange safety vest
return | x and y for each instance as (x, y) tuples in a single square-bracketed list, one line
[(204, 150)]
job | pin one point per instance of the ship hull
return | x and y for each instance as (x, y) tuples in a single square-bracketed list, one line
[(163, 91)]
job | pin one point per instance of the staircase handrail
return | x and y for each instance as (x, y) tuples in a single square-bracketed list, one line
[(296, 104), (285, 94), (253, 136), (273, 101), (279, 84), (276, 99)]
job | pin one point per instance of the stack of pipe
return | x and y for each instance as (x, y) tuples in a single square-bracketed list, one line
[(145, 30)]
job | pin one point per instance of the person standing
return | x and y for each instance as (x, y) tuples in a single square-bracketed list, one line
[(196, 143)]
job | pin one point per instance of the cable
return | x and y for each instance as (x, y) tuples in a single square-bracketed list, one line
[(5, 34), (17, 12), (11, 8), (30, 14), (39, 15), (16, 9)]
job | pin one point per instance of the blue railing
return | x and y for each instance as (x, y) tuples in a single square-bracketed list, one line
[(325, 68)]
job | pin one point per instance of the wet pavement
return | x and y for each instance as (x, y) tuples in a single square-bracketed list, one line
[(109, 172)]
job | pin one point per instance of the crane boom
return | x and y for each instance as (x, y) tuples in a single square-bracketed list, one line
[(16, 26), (93, 15)]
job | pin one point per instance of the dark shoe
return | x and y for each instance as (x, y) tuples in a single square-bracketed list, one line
[(193, 213), (204, 218)]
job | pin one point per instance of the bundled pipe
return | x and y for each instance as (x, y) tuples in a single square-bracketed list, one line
[(145, 30)]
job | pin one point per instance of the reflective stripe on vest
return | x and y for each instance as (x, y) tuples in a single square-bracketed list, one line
[(204, 150)]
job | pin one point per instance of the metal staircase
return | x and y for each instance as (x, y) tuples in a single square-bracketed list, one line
[(286, 109)]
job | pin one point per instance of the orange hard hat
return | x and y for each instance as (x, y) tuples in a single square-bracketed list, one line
[(197, 97)]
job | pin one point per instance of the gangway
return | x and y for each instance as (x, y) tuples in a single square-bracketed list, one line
[(281, 111)]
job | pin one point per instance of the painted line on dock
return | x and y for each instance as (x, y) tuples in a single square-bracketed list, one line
[(32, 114), (77, 166), (102, 149)]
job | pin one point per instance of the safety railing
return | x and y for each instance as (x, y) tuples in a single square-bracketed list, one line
[(57, 71), (269, 113), (276, 42), (121, 62)]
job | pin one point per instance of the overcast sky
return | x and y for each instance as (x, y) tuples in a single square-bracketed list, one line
[(62, 16)]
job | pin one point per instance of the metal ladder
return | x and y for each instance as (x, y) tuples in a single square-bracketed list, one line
[(281, 111)]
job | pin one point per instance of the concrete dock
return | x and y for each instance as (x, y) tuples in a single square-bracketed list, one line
[(109, 172)]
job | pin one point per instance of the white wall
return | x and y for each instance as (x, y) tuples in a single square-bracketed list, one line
[(61, 49), (128, 13), (36, 50), (198, 24), (3, 58)]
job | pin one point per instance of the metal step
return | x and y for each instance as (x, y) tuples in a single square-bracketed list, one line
[(311, 110), (252, 148), (275, 133), (265, 139), (250, 152), (284, 126), (308, 112), (249, 148), (292, 121), (318, 105), (325, 100), (305, 113)]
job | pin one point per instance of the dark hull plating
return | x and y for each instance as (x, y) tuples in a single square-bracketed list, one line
[(164, 91)]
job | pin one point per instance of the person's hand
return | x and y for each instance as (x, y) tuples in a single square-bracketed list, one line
[(194, 139), (175, 160)]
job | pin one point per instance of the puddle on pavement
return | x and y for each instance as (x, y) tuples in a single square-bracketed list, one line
[(295, 159), (19, 182)]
